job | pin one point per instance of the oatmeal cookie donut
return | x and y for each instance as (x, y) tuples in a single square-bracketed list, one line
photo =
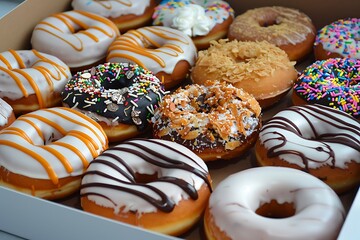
[(126, 14), (7, 115), (202, 20), (322, 141), (289, 29), (215, 120), (44, 153), (259, 68), (31, 80), (150, 183)]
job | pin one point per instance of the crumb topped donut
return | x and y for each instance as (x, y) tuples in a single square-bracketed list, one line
[(338, 39), (273, 203), (7, 115), (126, 14), (259, 68), (201, 20), (44, 153), (287, 28), (122, 97), (215, 120), (333, 82), (31, 80), (150, 183), (167, 52), (322, 141)]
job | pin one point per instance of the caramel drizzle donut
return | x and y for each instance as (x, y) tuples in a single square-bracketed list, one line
[(29, 72), (78, 38), (170, 46), (50, 144)]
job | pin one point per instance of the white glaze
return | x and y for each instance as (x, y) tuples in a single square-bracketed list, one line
[(116, 199), (319, 211), (15, 66), (17, 160), (112, 8), (306, 143), (76, 37), (170, 47), (5, 112)]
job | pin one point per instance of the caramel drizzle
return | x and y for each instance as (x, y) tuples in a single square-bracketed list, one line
[(128, 4)]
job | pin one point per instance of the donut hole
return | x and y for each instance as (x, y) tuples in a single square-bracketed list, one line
[(145, 178), (273, 209), (268, 23)]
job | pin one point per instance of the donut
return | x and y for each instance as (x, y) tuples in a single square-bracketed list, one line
[(167, 52), (31, 80), (287, 28), (259, 68), (44, 153), (128, 14), (319, 140), (78, 38), (150, 183), (273, 203), (215, 120), (7, 116), (339, 39), (121, 97), (202, 20), (333, 82)]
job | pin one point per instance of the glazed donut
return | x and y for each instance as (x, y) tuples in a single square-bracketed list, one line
[(322, 141), (44, 153), (273, 203), (259, 68), (215, 120), (150, 183), (333, 82), (30, 80), (338, 39), (126, 14), (202, 20), (167, 52), (78, 38), (289, 29), (121, 97), (7, 115)]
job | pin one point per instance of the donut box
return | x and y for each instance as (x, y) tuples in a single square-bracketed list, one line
[(33, 218)]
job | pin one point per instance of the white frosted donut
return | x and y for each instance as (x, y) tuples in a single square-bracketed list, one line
[(170, 199), (319, 213), (166, 52), (45, 152), (6, 113), (30, 80), (78, 38)]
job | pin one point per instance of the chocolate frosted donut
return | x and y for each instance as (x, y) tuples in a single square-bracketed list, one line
[(117, 95)]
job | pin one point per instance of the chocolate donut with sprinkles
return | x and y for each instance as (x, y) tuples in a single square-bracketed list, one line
[(333, 82), (121, 97)]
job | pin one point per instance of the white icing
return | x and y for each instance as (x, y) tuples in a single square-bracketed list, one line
[(20, 162), (319, 211), (169, 47), (78, 38), (112, 8), (131, 202), (5, 112)]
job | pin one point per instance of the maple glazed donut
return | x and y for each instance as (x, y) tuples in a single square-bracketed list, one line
[(126, 14), (287, 28), (121, 97), (338, 39), (31, 80), (7, 115), (44, 153), (154, 184), (259, 68), (273, 203), (215, 120), (201, 20), (78, 38), (167, 52), (322, 141), (333, 82)]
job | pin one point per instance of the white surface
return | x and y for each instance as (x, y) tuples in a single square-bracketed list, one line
[(8, 5), (351, 227)]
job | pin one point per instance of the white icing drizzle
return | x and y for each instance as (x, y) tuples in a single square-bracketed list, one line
[(5, 112), (319, 213)]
